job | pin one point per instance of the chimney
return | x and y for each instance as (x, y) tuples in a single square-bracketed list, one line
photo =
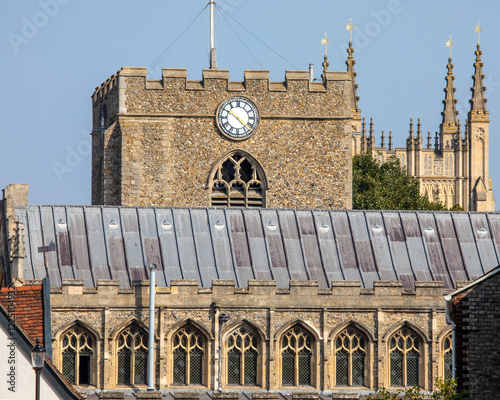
[(311, 72)]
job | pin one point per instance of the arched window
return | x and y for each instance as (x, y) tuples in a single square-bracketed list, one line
[(237, 182), (242, 357), (350, 357), (296, 357), (77, 349), (404, 351), (188, 354), (132, 353), (448, 356)]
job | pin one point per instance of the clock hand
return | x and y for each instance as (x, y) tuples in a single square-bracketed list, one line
[(239, 119)]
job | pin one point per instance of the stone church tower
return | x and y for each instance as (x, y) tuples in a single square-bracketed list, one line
[(455, 169), (256, 143)]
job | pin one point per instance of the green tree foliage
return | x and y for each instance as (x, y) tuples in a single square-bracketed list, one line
[(386, 186), (445, 390)]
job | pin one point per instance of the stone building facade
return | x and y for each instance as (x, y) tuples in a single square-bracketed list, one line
[(453, 168), (160, 143), (474, 313), (367, 321)]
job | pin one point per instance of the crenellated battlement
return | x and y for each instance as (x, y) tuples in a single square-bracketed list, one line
[(177, 77), (187, 292)]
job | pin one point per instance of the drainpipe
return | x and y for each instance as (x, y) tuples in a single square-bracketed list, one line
[(151, 345), (223, 318), (449, 320)]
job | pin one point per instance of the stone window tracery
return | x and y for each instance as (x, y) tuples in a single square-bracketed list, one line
[(296, 357), (448, 356), (77, 349), (350, 357), (188, 356), (404, 354), (132, 353), (237, 183), (242, 357)]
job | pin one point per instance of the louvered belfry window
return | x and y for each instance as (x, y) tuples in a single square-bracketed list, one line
[(242, 354), (350, 356), (448, 356), (77, 355), (237, 183), (404, 350), (132, 356), (296, 357), (188, 356)]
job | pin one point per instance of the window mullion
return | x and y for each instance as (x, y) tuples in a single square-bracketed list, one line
[(242, 368), (132, 367), (296, 368), (188, 367)]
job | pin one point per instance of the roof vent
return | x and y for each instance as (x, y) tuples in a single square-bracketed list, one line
[(166, 226), (376, 228), (324, 228), (219, 226), (482, 231), (429, 230), (113, 224), (271, 226), (62, 224)]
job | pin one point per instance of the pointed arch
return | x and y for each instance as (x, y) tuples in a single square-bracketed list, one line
[(312, 330), (298, 352), (178, 325), (406, 354), (352, 355), (125, 324), (131, 353), (80, 322), (78, 348), (358, 325), (189, 345), (243, 352), (401, 324), (236, 324), (237, 179)]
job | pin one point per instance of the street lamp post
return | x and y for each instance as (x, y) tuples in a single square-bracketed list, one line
[(37, 361)]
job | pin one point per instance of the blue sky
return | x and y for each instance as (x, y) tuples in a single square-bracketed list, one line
[(55, 52)]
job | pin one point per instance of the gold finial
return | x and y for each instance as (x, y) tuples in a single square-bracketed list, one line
[(349, 27), (449, 43), (325, 42), (477, 30)]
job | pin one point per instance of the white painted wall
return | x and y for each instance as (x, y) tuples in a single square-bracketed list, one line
[(24, 375)]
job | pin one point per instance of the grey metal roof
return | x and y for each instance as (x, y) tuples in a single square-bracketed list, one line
[(92, 242)]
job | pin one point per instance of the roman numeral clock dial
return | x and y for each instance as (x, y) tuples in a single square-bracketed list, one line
[(237, 118)]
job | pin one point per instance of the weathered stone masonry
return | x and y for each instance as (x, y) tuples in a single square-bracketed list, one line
[(270, 311), (160, 140)]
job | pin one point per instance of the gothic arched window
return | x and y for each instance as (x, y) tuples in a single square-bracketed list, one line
[(448, 356), (350, 357), (237, 182), (242, 357), (188, 356), (405, 353), (132, 353), (296, 357), (78, 352)]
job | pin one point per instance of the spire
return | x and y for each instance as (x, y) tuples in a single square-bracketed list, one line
[(382, 142), (363, 136), (350, 70), (450, 110), (429, 139), (418, 140), (478, 100), (371, 138), (390, 140)]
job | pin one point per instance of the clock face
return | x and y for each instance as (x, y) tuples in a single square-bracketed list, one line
[(237, 117)]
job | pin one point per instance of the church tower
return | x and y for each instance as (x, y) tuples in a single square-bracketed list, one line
[(481, 195)]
